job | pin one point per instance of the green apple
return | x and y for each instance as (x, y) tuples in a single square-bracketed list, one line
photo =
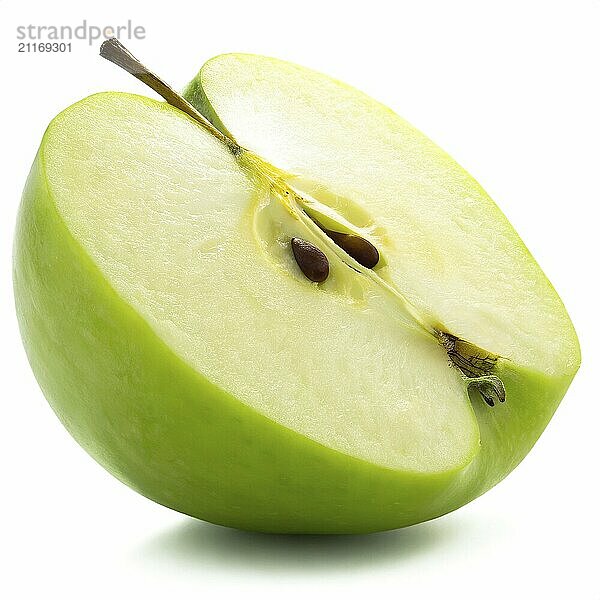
[(305, 317)]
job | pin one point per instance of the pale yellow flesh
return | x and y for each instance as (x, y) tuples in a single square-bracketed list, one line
[(201, 251), (448, 248)]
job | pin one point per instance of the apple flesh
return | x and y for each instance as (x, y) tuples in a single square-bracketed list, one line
[(177, 338)]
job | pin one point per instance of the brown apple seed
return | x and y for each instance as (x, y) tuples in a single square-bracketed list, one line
[(360, 249), (312, 262)]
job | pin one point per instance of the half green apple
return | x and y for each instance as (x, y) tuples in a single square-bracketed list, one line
[(175, 333)]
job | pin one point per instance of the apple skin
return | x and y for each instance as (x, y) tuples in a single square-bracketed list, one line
[(167, 432)]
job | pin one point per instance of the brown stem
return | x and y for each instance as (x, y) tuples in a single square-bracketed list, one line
[(113, 51)]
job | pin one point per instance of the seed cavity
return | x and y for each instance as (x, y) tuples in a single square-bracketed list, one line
[(312, 262), (360, 249)]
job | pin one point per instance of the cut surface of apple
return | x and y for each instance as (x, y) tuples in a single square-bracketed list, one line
[(186, 238), (174, 333), (448, 247)]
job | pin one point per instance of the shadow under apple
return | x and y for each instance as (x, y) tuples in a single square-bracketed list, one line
[(206, 545)]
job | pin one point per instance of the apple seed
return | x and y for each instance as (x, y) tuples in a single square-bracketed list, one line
[(312, 262), (360, 249)]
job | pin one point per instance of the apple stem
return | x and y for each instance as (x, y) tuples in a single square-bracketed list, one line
[(114, 51)]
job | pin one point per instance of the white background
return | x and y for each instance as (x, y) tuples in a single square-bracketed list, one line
[(511, 90)]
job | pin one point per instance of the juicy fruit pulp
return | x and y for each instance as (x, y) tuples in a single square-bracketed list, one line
[(448, 248), (175, 236), (212, 376)]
